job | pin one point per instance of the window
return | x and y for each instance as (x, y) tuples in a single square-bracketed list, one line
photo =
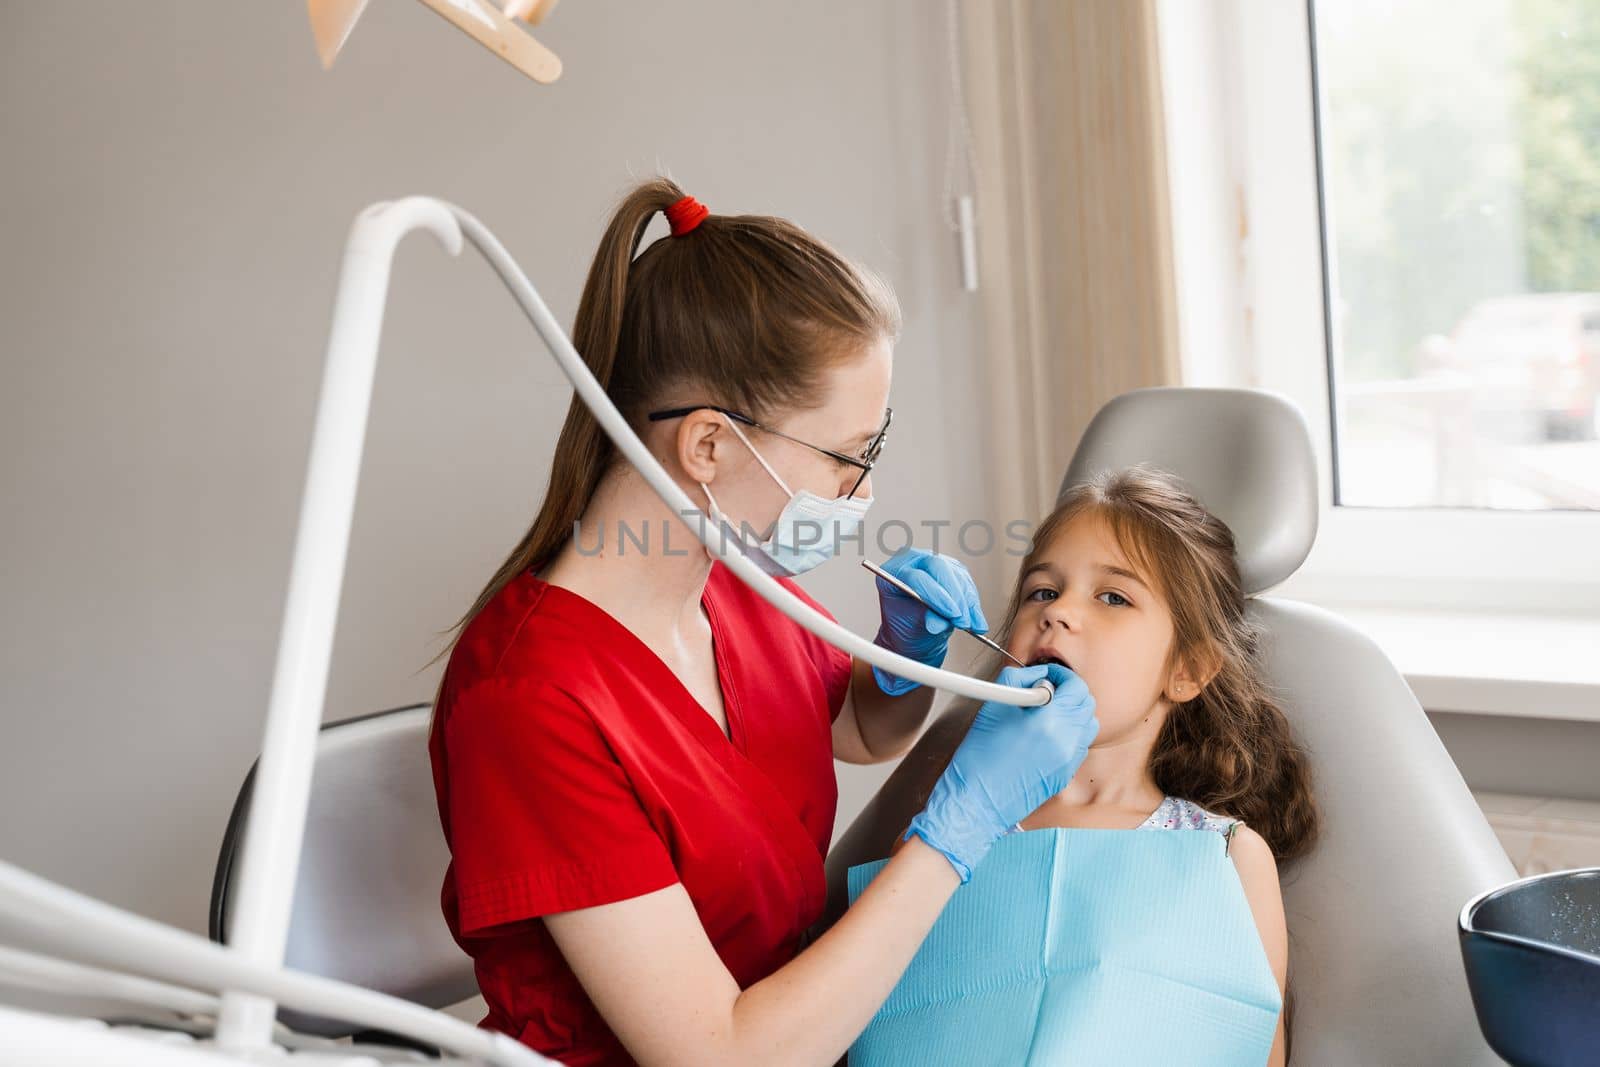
[(1255, 129), (1459, 143)]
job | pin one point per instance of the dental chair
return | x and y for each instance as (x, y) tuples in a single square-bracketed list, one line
[(366, 900), (1376, 970), (1374, 964)]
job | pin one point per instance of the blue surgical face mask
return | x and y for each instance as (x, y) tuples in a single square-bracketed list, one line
[(808, 531)]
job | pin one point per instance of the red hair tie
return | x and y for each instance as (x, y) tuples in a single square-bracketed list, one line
[(686, 214)]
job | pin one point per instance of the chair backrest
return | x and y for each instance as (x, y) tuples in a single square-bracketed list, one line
[(1373, 955), (366, 902)]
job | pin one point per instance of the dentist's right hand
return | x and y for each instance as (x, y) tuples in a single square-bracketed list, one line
[(1012, 760)]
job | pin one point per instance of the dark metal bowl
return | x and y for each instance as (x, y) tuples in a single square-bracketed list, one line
[(1532, 953)]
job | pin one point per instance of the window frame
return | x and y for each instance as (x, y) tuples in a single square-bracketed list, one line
[(1230, 71)]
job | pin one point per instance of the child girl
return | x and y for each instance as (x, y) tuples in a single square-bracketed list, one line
[(1134, 586)]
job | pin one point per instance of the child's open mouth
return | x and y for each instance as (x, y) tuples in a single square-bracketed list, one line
[(1046, 656)]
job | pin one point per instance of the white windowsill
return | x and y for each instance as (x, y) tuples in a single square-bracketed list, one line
[(1523, 666)]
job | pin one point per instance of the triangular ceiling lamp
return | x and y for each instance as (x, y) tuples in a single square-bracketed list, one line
[(493, 27)]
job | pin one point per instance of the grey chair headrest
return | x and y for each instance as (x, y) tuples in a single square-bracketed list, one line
[(1245, 454)]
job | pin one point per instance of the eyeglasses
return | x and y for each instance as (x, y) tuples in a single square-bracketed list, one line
[(864, 462)]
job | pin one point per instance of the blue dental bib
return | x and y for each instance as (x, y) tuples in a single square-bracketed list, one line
[(1077, 946)]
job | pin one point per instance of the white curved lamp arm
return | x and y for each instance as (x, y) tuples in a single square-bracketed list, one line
[(271, 853), (40, 913), (696, 520), (33, 1037), (692, 517), (38, 973), (47, 974)]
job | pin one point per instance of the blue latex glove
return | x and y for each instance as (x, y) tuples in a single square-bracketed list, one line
[(911, 629), (1011, 761)]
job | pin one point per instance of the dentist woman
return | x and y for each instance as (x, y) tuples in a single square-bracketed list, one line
[(633, 752)]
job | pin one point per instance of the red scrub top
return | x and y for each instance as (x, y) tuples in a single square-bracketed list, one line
[(573, 769)]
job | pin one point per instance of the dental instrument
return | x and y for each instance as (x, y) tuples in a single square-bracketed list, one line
[(912, 593)]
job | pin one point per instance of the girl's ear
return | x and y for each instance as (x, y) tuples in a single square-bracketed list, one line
[(1181, 687), (1189, 679)]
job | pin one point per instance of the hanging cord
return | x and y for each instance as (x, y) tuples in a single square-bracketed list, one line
[(960, 175)]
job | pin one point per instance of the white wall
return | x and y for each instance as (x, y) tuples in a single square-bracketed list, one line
[(177, 185)]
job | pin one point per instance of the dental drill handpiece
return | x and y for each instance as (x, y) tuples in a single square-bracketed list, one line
[(1043, 683)]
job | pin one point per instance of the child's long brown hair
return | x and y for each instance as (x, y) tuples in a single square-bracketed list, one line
[(1229, 749)]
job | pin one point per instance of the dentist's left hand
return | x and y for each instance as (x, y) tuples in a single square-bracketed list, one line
[(911, 629)]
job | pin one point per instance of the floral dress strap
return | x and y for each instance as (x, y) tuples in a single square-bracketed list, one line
[(1175, 813)]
